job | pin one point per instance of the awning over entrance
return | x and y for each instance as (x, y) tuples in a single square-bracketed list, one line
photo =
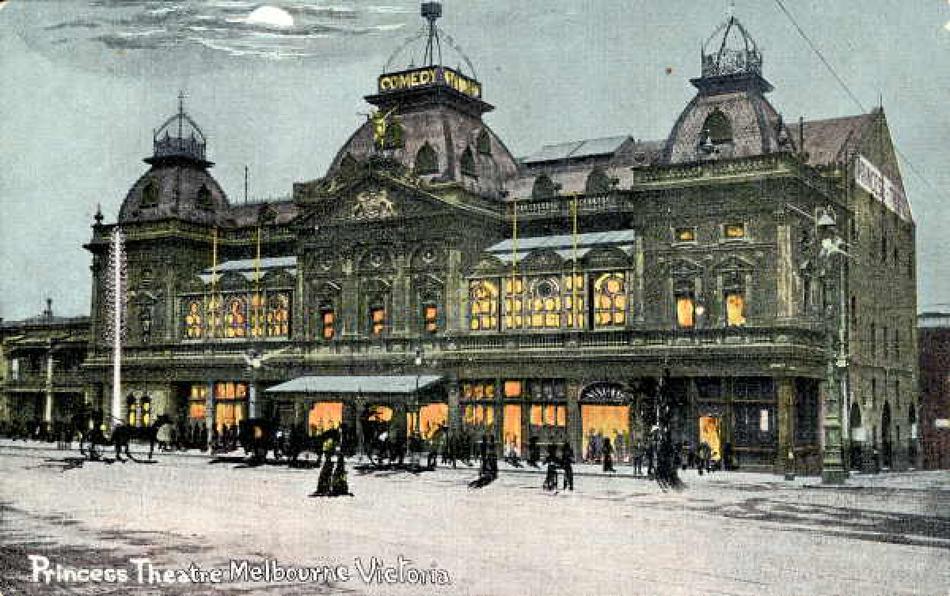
[(382, 384)]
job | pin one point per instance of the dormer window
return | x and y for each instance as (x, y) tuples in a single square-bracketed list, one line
[(717, 130), (483, 144), (544, 187), (598, 182), (427, 161), (467, 163), (203, 199), (150, 194)]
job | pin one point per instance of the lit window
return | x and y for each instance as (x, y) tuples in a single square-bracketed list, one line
[(194, 322), (430, 317), (257, 314), (512, 389), (735, 308), (197, 400), (610, 300), (734, 230), (574, 303), (685, 234), (514, 302), (685, 310), (235, 320), (213, 310), (377, 320), (278, 315), (544, 304), (548, 415), (483, 305), (146, 411), (133, 410), (327, 324)]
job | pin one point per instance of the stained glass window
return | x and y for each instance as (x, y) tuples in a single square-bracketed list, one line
[(278, 315), (610, 300), (213, 310), (235, 318), (194, 322), (483, 305)]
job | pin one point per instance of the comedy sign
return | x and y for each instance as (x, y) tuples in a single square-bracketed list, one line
[(429, 77)]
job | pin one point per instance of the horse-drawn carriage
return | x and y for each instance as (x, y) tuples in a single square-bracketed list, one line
[(90, 425)]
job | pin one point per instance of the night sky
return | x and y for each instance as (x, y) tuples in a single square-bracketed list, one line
[(84, 82)]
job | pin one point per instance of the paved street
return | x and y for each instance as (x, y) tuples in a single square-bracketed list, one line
[(728, 533)]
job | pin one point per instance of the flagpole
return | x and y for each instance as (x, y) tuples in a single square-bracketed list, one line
[(574, 322)]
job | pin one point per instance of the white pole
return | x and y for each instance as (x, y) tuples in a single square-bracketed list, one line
[(117, 311)]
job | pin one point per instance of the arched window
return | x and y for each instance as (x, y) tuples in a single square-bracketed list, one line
[(718, 128), (194, 321), (544, 304), (150, 194), (278, 315), (203, 198), (427, 161), (467, 163), (544, 187), (610, 300), (483, 305), (483, 143), (235, 317), (598, 182), (394, 136)]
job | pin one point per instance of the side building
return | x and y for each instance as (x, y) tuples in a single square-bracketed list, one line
[(933, 330), (761, 272)]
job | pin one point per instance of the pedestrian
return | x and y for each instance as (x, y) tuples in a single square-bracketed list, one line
[(638, 458), (567, 463), (550, 478), (483, 454), (534, 452), (608, 452), (324, 480), (340, 487), (203, 437), (492, 453)]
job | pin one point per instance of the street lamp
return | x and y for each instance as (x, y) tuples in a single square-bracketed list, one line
[(831, 250), (418, 362)]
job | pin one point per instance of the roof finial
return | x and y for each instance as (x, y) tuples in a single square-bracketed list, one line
[(731, 9), (181, 110)]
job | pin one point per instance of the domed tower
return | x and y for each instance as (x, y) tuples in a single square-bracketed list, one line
[(730, 116), (178, 184), (428, 117)]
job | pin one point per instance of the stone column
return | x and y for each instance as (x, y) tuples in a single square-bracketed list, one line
[(455, 298), (455, 414), (401, 298)]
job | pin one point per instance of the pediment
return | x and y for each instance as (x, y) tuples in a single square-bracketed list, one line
[(374, 200)]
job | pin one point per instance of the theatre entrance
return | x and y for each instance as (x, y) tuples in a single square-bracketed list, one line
[(709, 433)]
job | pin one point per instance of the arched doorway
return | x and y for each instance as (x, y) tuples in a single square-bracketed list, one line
[(605, 414), (886, 448), (857, 436)]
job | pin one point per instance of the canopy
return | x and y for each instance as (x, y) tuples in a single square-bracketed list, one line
[(390, 384)]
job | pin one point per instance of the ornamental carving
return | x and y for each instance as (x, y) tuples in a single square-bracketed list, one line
[(373, 204)]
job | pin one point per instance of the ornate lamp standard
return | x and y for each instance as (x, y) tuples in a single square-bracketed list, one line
[(832, 255)]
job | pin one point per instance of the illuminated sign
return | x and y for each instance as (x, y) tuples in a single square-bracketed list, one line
[(882, 188), (430, 76)]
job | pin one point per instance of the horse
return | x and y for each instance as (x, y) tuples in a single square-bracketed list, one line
[(124, 434)]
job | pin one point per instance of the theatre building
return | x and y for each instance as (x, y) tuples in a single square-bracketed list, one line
[(760, 269)]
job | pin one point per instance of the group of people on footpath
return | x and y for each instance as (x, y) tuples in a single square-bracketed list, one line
[(332, 480)]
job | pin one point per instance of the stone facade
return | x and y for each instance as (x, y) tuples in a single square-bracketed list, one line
[(551, 296)]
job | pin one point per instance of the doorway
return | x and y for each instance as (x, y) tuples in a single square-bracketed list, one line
[(600, 422), (709, 427)]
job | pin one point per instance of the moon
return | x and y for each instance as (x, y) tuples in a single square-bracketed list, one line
[(270, 16)]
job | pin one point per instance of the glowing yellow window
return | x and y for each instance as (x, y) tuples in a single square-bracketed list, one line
[(328, 322), (536, 416), (735, 309), (685, 234), (430, 315), (194, 326), (610, 300), (684, 310), (512, 389), (483, 305), (735, 230), (377, 317)]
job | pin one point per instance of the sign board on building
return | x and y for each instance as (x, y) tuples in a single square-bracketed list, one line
[(882, 188), (429, 76), (942, 423)]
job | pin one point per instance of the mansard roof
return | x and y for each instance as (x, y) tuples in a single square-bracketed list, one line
[(830, 141)]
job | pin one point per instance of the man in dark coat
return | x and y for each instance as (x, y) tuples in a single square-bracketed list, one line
[(608, 451), (534, 452), (339, 487), (567, 462)]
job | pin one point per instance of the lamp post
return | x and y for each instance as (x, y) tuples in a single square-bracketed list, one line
[(415, 398), (831, 253)]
